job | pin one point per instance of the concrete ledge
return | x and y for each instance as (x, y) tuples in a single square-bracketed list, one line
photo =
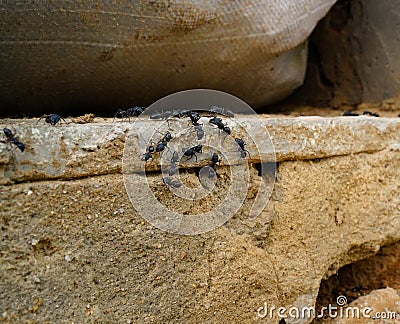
[(76, 151), (77, 250)]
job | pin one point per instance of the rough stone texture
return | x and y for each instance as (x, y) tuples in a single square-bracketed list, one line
[(75, 151), (353, 58), (385, 305), (76, 250), (362, 277)]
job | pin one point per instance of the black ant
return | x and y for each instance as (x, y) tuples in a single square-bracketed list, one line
[(146, 156), (215, 120), (173, 169), (357, 288), (192, 151), (175, 157), (241, 143), (52, 119), (164, 142), (182, 113), (158, 148), (221, 111), (350, 113), (370, 113), (135, 111), (157, 116), (218, 122), (130, 112), (165, 114), (213, 163), (194, 117), (167, 137), (199, 131), (171, 183), (120, 114), (161, 146), (10, 138)]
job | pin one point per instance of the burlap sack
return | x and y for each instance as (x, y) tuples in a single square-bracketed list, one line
[(106, 54)]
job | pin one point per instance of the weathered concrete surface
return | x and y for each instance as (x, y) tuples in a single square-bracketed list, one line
[(77, 251), (75, 151)]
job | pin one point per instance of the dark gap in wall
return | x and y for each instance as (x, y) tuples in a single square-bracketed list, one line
[(266, 169), (360, 278)]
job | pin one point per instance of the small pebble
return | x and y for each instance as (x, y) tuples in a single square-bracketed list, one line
[(30, 192), (67, 258)]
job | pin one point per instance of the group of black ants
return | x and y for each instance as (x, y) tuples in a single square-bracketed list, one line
[(51, 119), (193, 115), (190, 152)]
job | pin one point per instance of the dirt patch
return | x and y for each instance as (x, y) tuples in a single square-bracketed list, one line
[(387, 108)]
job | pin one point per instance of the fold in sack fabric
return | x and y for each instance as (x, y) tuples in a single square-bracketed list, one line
[(103, 54)]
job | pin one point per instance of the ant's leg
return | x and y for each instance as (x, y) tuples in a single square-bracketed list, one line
[(190, 128), (190, 157), (115, 116), (44, 116), (160, 133), (224, 136), (63, 120), (169, 126), (8, 142), (14, 132)]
